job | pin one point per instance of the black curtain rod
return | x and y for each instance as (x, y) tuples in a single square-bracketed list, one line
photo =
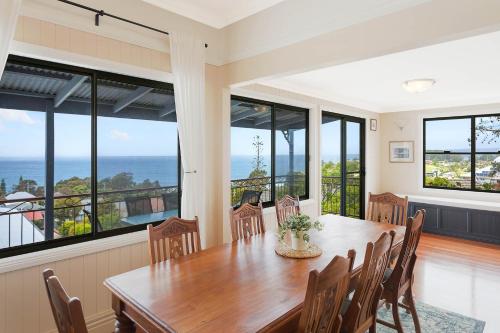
[(99, 13)]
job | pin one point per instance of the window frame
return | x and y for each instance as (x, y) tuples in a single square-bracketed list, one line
[(473, 151), (273, 106), (95, 75)]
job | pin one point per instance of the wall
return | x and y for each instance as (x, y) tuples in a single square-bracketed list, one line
[(407, 178)]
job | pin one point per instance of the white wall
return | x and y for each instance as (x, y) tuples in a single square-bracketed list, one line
[(407, 178)]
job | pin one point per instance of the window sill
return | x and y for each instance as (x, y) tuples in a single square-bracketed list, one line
[(32, 259)]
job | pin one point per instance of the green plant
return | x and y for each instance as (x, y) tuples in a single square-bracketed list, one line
[(297, 223)]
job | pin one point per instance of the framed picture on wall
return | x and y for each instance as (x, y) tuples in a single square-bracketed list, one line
[(373, 124), (401, 152)]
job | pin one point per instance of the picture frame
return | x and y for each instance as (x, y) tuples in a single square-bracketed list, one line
[(373, 124), (401, 151)]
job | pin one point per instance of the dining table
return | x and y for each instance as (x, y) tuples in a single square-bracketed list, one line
[(242, 286)]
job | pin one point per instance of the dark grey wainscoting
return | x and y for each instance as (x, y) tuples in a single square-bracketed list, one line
[(473, 224)]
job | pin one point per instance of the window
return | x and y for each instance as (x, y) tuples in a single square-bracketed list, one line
[(269, 150), (462, 153), (83, 155)]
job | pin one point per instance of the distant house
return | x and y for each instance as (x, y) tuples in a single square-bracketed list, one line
[(16, 230), (19, 196)]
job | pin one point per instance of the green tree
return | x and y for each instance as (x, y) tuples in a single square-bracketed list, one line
[(73, 185), (3, 189)]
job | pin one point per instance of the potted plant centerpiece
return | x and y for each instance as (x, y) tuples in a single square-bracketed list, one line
[(298, 225)]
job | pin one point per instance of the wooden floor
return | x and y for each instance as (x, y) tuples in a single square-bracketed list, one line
[(460, 276)]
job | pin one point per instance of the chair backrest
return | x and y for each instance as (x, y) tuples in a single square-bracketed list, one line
[(324, 296), (170, 201), (387, 207), (285, 207), (403, 271), (250, 196), (361, 312), (138, 205), (67, 311), (246, 221), (173, 238)]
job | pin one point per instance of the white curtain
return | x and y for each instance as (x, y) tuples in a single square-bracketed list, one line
[(9, 11), (187, 56)]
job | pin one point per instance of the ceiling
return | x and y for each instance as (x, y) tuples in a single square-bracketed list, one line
[(215, 13), (467, 72)]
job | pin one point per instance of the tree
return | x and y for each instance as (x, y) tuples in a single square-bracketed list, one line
[(258, 161), (3, 189), (489, 127), (27, 185), (73, 185)]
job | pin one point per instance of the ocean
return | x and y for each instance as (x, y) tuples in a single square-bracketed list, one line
[(161, 168)]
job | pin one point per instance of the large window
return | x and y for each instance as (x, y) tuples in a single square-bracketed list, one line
[(83, 154), (462, 153), (269, 150)]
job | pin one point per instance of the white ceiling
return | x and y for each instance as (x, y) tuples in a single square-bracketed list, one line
[(467, 72), (215, 13)]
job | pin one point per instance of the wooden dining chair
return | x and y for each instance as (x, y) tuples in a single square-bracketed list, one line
[(173, 238), (361, 312), (387, 207), (325, 292), (399, 280), (67, 311), (286, 207), (246, 221)]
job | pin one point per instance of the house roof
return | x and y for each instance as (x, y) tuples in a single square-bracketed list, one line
[(16, 230), (19, 195)]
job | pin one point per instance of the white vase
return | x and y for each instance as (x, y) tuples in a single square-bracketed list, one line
[(298, 243)]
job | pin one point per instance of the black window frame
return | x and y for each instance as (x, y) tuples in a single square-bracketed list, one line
[(95, 75), (273, 106), (473, 151)]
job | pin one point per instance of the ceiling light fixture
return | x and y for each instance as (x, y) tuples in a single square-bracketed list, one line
[(418, 85)]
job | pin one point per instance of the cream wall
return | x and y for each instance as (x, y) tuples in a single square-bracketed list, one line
[(407, 178)]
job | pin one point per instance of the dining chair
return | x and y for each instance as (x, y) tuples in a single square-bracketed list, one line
[(246, 221), (173, 238), (399, 280), (325, 292), (138, 205), (286, 207), (387, 207), (67, 311), (360, 313)]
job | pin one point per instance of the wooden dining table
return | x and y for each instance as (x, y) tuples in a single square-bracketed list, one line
[(243, 286)]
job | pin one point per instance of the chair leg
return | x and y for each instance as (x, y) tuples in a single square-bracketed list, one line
[(373, 328), (395, 315), (411, 304)]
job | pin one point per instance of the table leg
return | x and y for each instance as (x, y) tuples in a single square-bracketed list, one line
[(123, 323)]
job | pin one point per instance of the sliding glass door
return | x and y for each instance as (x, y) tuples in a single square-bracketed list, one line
[(342, 165)]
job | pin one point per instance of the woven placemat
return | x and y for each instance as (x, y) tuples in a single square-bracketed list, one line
[(285, 250)]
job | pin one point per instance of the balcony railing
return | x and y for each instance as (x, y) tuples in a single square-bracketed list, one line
[(330, 190), (22, 221)]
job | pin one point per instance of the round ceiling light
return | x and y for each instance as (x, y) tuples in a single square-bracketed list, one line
[(418, 85)]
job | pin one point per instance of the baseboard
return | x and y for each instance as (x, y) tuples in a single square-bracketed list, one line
[(102, 322)]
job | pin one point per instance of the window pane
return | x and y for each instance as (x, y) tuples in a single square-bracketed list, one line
[(488, 172), (23, 106), (250, 150), (488, 134), (450, 171), (353, 167), (331, 185), (137, 161), (290, 160), (72, 165), (448, 135)]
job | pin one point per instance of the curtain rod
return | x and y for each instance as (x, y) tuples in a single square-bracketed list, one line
[(101, 12)]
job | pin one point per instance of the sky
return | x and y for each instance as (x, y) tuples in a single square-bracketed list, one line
[(22, 134)]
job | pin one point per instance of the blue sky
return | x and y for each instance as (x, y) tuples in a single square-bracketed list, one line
[(22, 134)]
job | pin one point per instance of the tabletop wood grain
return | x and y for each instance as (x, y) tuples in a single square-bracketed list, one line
[(239, 287)]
